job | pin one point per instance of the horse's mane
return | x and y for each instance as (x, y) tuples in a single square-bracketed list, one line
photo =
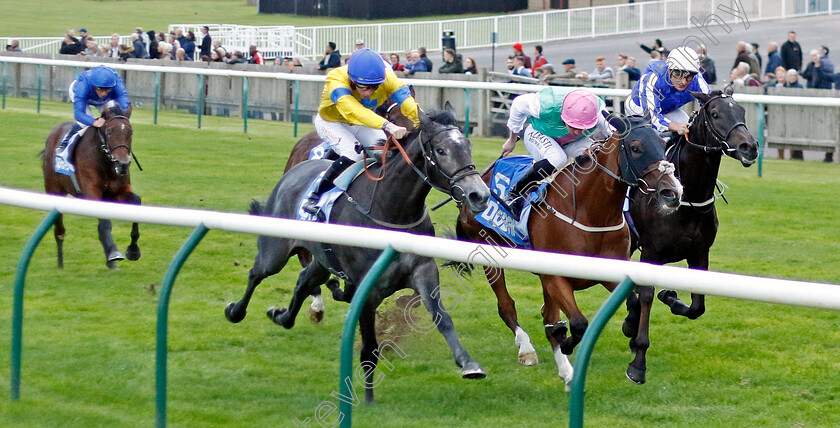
[(112, 109)]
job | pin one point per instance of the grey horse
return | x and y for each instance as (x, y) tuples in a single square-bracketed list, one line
[(440, 156)]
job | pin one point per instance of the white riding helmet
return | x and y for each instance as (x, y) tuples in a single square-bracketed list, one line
[(685, 59)]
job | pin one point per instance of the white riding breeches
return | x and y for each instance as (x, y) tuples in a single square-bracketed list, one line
[(541, 146), (342, 137)]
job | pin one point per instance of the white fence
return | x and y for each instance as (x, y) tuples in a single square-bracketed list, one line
[(536, 27), (817, 295)]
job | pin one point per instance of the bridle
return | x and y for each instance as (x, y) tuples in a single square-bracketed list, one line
[(722, 139), (103, 140), (664, 167), (453, 178)]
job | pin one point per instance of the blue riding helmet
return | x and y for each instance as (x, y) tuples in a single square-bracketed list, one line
[(366, 67), (103, 77)]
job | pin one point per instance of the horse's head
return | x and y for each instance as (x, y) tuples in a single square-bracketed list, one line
[(723, 119), (642, 160), (115, 137), (391, 110), (447, 155)]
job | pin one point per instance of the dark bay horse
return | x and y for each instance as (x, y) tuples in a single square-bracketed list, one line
[(102, 157), (592, 195), (440, 156), (300, 152), (688, 234)]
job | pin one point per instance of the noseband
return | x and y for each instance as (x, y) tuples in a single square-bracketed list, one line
[(103, 141)]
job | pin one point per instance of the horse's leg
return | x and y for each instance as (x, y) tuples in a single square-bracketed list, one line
[(133, 251), (316, 308), (311, 277), (368, 356), (507, 312), (558, 295), (698, 301), (272, 255), (112, 254), (425, 279), (641, 342), (58, 231)]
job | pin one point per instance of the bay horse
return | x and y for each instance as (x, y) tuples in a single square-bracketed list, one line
[(102, 157), (717, 128), (591, 196), (300, 153), (437, 155)]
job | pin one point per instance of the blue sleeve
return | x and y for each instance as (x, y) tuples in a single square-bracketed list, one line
[(650, 99), (121, 94), (338, 93), (401, 94), (81, 93)]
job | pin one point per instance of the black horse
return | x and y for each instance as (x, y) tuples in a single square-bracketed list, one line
[(440, 156), (717, 128)]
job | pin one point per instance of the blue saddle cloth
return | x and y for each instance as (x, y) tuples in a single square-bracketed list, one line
[(342, 182), (319, 151), (506, 172)]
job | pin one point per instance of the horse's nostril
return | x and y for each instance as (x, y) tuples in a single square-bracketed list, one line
[(475, 197), (667, 194)]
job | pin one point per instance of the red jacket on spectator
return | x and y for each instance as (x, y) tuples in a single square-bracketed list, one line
[(539, 61)]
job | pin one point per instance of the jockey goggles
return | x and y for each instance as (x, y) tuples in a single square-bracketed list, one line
[(365, 87), (682, 74)]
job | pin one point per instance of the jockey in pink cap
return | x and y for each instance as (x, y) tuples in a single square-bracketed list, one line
[(553, 123)]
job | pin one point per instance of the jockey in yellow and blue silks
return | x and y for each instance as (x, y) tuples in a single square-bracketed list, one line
[(94, 87), (346, 117)]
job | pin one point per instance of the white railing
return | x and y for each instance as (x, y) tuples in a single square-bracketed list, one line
[(817, 295), (535, 27), (272, 41)]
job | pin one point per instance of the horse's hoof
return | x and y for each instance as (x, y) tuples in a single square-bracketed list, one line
[(472, 370), (693, 314), (115, 256), (528, 359), (635, 375), (112, 265), (231, 316), (132, 253), (667, 297), (276, 315), (316, 316)]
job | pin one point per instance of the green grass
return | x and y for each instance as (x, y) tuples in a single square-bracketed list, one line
[(89, 333), (102, 18)]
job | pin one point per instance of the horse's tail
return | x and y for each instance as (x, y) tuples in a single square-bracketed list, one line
[(257, 207), (460, 235), (41, 153)]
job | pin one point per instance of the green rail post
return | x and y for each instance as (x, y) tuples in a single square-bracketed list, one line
[(467, 113), (163, 321), (587, 344), (200, 98), (245, 103), (5, 76), (345, 409), (157, 95), (40, 77), (761, 137), (17, 306), (297, 97)]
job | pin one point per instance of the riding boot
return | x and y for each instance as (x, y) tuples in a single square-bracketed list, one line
[(62, 152), (338, 166), (538, 171)]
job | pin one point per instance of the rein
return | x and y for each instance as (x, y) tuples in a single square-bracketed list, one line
[(103, 143), (705, 124)]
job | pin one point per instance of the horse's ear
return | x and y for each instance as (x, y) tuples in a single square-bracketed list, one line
[(411, 89), (618, 122), (424, 118), (700, 96), (447, 107), (729, 90)]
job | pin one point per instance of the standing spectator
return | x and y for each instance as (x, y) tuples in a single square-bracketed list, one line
[(332, 58), (92, 48), (414, 64), (206, 41), (792, 79), (395, 62), (740, 76), (792, 53), (820, 71), (256, 56), (657, 46), (126, 52), (70, 46), (707, 65), (519, 68), (451, 64), (539, 59), (470, 67), (139, 50), (633, 73), (115, 45), (601, 71), (83, 37), (781, 76), (757, 54), (569, 69), (181, 54), (741, 54), (755, 63), (510, 64), (153, 45), (189, 46), (422, 52), (13, 46), (544, 72), (179, 35), (774, 60), (360, 44), (517, 51), (238, 58)]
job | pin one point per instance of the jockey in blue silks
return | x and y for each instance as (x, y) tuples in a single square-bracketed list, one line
[(95, 87), (665, 87)]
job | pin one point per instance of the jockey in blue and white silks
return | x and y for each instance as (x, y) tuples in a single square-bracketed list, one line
[(665, 87), (95, 87)]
